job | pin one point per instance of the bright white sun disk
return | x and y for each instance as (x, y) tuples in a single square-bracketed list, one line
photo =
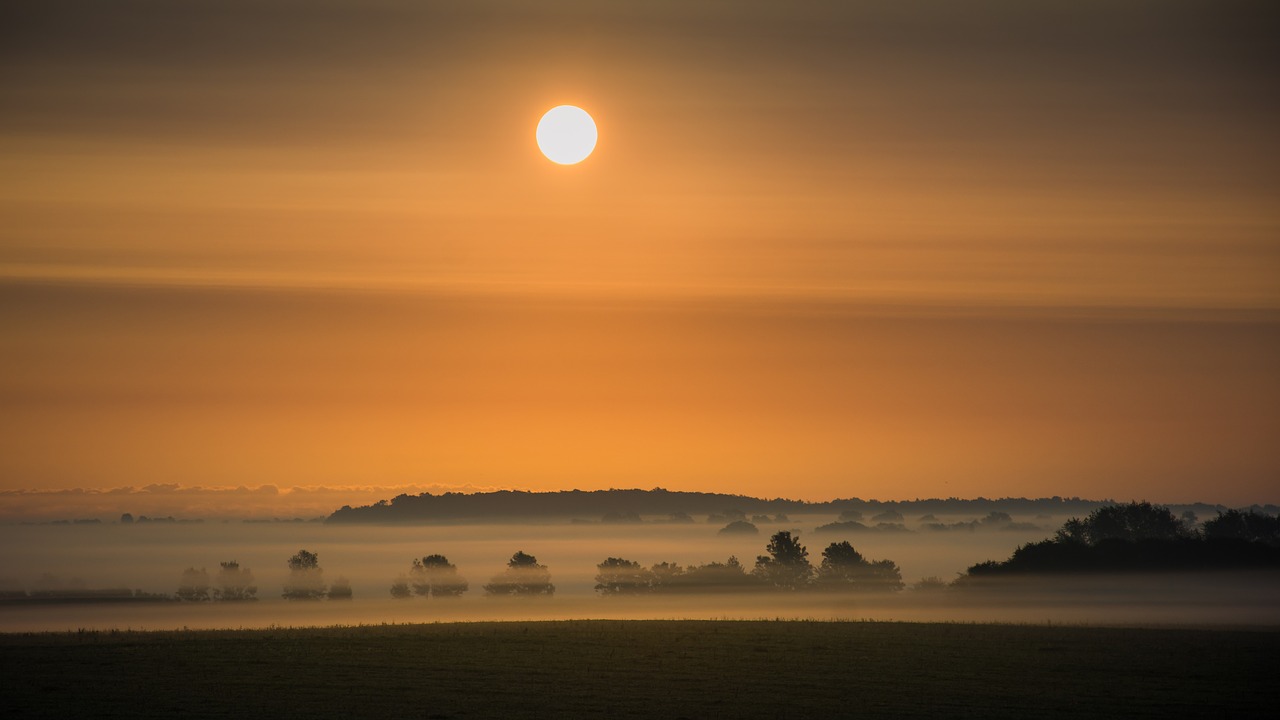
[(566, 134)]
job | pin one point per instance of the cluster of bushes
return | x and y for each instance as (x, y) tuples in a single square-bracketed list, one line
[(435, 576), (232, 584), (1143, 537), (891, 521), (236, 584), (785, 567)]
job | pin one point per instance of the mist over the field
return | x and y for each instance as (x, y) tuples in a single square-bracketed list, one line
[(151, 557)]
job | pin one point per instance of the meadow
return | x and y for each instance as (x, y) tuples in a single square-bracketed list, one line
[(618, 669)]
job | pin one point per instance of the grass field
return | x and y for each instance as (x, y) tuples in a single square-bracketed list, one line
[(666, 669)]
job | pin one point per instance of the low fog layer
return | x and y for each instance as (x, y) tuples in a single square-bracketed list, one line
[(152, 558)]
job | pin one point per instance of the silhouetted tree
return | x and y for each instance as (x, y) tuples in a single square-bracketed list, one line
[(617, 576), (434, 575), (306, 579), (523, 576), (844, 568), (841, 568), (194, 586), (235, 584), (787, 564)]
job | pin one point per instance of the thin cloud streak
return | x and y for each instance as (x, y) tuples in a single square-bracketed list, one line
[(182, 502)]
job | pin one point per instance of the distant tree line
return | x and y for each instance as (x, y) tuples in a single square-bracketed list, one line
[(233, 583), (785, 567), (891, 521), (1142, 537), (51, 590)]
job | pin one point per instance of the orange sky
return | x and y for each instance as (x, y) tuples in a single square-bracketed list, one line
[(886, 249)]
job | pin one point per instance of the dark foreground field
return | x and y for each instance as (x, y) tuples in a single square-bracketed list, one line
[(665, 669)]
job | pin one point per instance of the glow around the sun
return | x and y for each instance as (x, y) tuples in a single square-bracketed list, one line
[(566, 134)]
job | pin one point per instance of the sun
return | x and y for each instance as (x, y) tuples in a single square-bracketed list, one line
[(566, 134)]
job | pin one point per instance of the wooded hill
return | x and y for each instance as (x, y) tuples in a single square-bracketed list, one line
[(659, 505)]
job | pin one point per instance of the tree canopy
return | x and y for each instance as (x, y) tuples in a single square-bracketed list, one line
[(1247, 526), (1132, 522)]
